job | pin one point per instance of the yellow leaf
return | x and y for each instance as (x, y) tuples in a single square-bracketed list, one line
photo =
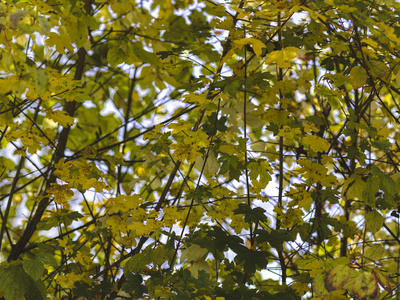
[(62, 118), (358, 77), (282, 57), (61, 42), (379, 68), (193, 253), (316, 143), (257, 45), (398, 78), (197, 266), (229, 149)]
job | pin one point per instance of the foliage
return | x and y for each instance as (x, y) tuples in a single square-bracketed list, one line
[(199, 150)]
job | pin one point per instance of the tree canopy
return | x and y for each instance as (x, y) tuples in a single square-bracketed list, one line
[(199, 149)]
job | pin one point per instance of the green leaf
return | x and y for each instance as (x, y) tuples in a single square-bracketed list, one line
[(371, 188), (137, 262), (82, 289), (34, 268), (77, 30), (388, 185), (375, 252), (251, 259), (275, 238), (384, 281), (193, 253), (374, 221), (115, 56), (143, 55), (358, 77), (47, 258), (134, 285), (316, 143), (200, 265), (319, 285), (211, 166), (251, 215), (337, 277), (36, 290), (379, 68), (14, 282), (356, 187), (365, 285)]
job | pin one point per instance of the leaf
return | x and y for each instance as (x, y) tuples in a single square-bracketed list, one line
[(134, 284), (319, 285), (62, 118), (77, 30), (356, 189), (82, 289), (337, 277), (370, 190), (398, 78), (212, 165), (379, 68), (384, 281), (200, 265), (251, 215), (47, 258), (137, 262), (61, 42), (375, 252), (316, 143), (14, 282), (365, 285), (143, 55), (388, 185), (116, 55), (282, 57), (34, 268), (275, 238), (374, 221), (257, 45), (36, 290), (252, 260), (193, 253), (358, 77)]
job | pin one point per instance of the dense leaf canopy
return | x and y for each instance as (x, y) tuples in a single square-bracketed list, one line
[(199, 150)]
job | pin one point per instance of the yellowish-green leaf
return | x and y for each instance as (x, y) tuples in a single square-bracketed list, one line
[(77, 30), (337, 277), (34, 268), (282, 57), (61, 42), (200, 265), (379, 68), (193, 253), (257, 45), (358, 77), (365, 285), (211, 166), (384, 281), (62, 118), (375, 252), (398, 78), (374, 221), (316, 143)]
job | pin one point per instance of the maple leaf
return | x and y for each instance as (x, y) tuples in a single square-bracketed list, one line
[(316, 143), (61, 42), (282, 57), (62, 118)]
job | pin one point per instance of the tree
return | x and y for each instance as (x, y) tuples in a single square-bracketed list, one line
[(199, 150)]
